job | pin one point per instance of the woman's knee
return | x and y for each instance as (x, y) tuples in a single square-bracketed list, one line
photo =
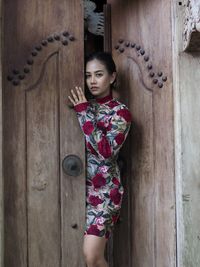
[(92, 259), (93, 250)]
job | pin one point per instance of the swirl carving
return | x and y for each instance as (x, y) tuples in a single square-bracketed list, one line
[(138, 55), (56, 40)]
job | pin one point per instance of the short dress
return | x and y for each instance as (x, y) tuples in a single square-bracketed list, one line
[(105, 123)]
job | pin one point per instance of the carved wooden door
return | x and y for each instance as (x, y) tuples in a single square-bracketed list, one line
[(142, 48), (44, 206)]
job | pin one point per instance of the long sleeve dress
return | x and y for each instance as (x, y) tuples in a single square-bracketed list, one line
[(105, 123)]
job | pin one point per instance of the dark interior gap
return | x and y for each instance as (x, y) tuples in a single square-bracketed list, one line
[(94, 42)]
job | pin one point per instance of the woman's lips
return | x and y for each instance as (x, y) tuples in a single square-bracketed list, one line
[(94, 88)]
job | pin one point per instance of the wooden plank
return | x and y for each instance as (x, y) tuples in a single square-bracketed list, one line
[(42, 126), (177, 46), (187, 156), (72, 142), (152, 208), (39, 131), (138, 211), (14, 158), (15, 178)]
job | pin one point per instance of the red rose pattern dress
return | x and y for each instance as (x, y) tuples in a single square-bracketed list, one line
[(105, 123)]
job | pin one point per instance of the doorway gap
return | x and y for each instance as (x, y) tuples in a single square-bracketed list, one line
[(93, 42)]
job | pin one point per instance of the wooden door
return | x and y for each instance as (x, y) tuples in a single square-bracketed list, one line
[(43, 60), (142, 48)]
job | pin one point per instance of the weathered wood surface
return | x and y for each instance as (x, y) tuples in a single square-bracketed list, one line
[(42, 134), (187, 145), (191, 32), (41, 202), (147, 233)]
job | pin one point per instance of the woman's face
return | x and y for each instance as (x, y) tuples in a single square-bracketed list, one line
[(98, 78)]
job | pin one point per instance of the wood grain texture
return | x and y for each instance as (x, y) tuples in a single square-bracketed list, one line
[(186, 100), (72, 188), (151, 209), (42, 134), (15, 178), (191, 32), (41, 202)]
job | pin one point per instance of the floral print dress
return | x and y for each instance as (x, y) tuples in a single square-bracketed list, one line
[(105, 123)]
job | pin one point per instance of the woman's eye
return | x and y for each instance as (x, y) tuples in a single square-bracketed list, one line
[(87, 76), (99, 74)]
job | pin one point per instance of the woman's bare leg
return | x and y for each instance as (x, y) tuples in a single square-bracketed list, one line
[(93, 250)]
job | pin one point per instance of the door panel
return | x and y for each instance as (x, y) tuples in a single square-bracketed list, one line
[(42, 203), (141, 45), (42, 133)]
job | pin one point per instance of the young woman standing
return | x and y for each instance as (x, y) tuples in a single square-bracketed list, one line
[(105, 122)]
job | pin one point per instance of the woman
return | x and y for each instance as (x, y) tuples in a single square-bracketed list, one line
[(105, 123)]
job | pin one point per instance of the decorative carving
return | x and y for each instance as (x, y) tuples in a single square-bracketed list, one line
[(141, 78), (17, 75), (94, 21), (156, 76), (191, 34), (41, 73), (142, 52), (121, 49)]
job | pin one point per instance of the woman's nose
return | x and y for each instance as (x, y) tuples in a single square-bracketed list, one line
[(93, 80)]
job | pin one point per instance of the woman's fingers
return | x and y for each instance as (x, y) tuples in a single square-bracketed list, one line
[(72, 101), (80, 89), (79, 93), (77, 97), (82, 95), (74, 96)]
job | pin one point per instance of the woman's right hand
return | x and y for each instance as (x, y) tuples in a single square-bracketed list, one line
[(78, 97)]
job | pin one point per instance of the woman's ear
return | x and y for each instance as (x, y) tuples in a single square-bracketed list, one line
[(113, 77)]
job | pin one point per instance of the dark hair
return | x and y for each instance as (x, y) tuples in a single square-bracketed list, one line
[(105, 58)]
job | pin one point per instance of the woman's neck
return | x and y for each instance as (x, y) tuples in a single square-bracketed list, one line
[(104, 99)]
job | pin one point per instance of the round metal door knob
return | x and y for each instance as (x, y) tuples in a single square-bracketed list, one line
[(72, 165)]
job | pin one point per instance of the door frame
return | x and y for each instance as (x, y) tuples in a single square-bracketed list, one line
[(1, 151)]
